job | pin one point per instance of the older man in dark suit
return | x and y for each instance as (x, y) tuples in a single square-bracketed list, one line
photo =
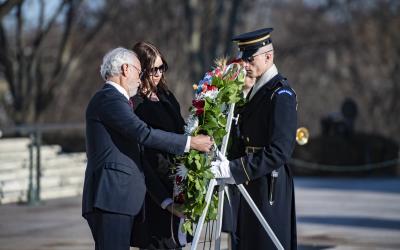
[(114, 186)]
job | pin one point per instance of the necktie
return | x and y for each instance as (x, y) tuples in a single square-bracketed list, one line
[(248, 94), (131, 104)]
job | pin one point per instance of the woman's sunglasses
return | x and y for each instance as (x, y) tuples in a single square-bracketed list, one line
[(162, 69)]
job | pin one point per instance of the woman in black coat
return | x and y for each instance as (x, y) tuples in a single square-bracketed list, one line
[(160, 221)]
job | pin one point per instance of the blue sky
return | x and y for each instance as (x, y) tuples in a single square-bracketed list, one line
[(31, 10)]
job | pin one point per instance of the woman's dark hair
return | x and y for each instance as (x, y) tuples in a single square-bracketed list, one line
[(147, 54)]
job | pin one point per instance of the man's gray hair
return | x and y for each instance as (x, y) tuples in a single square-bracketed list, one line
[(113, 61)]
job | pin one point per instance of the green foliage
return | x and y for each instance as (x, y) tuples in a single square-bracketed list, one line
[(212, 122)]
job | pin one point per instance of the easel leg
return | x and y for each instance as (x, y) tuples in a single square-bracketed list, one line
[(221, 196), (221, 193), (199, 227)]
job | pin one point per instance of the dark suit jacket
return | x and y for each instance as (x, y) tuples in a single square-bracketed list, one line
[(114, 180)]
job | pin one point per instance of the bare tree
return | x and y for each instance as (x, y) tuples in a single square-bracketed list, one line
[(210, 27), (36, 61), (7, 6), (340, 49), (44, 58)]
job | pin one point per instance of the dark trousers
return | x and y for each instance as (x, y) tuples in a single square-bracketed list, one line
[(110, 231)]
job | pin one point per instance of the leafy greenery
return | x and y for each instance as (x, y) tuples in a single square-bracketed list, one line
[(212, 122)]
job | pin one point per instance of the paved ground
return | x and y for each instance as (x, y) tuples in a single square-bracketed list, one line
[(332, 214)]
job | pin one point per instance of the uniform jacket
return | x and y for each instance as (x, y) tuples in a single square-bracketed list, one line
[(263, 141)]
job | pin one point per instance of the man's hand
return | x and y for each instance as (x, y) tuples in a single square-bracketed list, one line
[(201, 143), (175, 209)]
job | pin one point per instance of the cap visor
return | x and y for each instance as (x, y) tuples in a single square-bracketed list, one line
[(248, 53)]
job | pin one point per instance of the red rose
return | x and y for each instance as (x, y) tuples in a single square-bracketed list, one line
[(198, 103), (178, 179), (199, 111), (180, 198), (211, 87)]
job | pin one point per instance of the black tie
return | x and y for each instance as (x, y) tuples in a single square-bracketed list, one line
[(248, 94)]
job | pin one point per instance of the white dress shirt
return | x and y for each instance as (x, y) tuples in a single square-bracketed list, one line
[(119, 88)]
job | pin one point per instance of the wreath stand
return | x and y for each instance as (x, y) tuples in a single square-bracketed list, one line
[(221, 195)]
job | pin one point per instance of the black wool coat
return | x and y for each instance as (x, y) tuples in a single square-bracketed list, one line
[(157, 227)]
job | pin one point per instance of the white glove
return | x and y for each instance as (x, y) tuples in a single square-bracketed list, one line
[(220, 168), (220, 156), (217, 171)]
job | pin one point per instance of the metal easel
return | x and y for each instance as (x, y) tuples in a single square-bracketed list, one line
[(221, 195)]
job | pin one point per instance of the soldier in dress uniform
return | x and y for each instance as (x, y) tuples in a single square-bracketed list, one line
[(263, 140)]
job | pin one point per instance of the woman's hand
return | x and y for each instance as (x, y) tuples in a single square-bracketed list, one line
[(176, 209)]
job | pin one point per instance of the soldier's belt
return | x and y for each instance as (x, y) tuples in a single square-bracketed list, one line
[(250, 149)]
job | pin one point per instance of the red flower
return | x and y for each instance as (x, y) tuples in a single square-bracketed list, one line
[(218, 72), (180, 198), (211, 87), (198, 103), (199, 111), (178, 179)]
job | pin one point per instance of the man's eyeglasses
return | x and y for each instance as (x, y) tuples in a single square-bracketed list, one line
[(251, 58), (162, 68), (139, 71)]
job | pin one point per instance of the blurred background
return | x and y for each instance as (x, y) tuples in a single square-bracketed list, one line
[(342, 57)]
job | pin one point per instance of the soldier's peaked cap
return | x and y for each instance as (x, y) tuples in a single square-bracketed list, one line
[(250, 42)]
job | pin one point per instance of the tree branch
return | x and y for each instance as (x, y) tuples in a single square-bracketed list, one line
[(20, 88), (192, 8), (73, 61), (6, 62), (216, 30), (233, 19), (41, 14), (7, 6), (43, 33), (66, 42)]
